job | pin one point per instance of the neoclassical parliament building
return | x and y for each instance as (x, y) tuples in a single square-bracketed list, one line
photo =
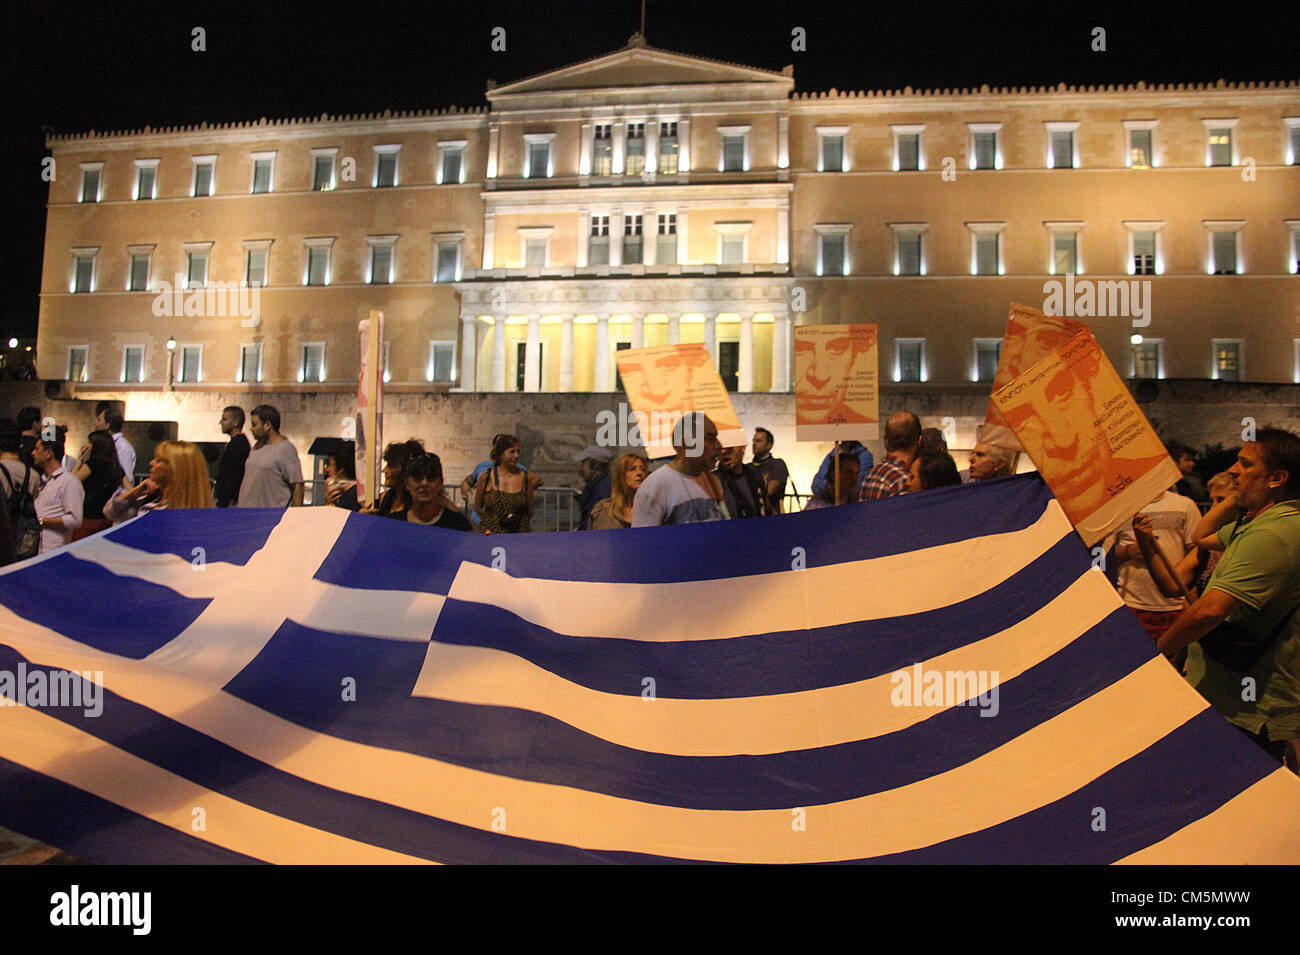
[(646, 197)]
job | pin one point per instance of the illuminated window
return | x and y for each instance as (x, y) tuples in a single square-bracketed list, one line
[(146, 178), (91, 177), (386, 166), (263, 172)]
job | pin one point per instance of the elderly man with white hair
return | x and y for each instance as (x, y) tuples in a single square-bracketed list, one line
[(988, 461)]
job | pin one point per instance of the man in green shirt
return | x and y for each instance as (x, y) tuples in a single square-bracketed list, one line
[(1256, 584)]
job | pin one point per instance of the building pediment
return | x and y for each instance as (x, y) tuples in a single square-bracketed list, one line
[(638, 67)]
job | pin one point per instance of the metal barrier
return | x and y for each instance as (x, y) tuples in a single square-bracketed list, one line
[(554, 508)]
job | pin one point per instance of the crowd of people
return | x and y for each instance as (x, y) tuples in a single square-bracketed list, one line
[(1217, 591)]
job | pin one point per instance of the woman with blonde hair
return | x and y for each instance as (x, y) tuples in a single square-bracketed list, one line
[(178, 479), (628, 473)]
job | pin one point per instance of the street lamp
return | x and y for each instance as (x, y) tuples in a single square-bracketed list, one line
[(13, 343), (171, 363)]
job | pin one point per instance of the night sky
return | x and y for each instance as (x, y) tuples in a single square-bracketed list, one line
[(123, 64)]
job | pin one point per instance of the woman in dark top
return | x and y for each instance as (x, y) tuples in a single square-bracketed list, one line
[(396, 457), (427, 504), (341, 477), (101, 474), (505, 494)]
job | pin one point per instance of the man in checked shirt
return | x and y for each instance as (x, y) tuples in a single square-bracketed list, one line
[(902, 444)]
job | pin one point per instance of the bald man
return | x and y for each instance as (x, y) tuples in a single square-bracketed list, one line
[(902, 444)]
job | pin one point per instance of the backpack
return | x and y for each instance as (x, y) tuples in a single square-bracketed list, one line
[(22, 514)]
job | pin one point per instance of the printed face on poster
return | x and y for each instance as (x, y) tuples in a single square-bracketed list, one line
[(1030, 336), (1089, 439), (667, 381), (837, 385)]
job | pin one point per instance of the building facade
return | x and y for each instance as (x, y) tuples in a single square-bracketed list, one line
[(647, 197)]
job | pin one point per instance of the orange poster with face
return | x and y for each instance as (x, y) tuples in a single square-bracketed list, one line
[(1029, 338), (1088, 437), (837, 385), (667, 381)]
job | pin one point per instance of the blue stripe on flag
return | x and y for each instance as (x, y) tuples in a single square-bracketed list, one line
[(777, 662), (533, 746), (86, 602), (94, 829), (1146, 799), (232, 535), (382, 554)]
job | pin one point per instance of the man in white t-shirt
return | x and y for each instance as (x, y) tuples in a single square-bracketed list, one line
[(272, 474), (685, 490), (1174, 519)]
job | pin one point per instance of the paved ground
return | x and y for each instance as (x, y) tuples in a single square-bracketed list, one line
[(17, 849)]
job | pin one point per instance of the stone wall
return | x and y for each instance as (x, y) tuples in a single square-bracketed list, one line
[(553, 427)]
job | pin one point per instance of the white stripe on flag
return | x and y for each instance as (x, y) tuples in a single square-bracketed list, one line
[(900, 584), (761, 724)]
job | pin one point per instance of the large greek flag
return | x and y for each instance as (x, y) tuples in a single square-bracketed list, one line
[(940, 677)]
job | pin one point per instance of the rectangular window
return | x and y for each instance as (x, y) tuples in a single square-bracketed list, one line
[(598, 241), (666, 240), (534, 253), (191, 363), (1139, 148), (668, 149), (146, 178), (318, 265), (1062, 149), (133, 363), (1227, 360), (322, 177), (602, 150), (451, 164), (138, 279), (987, 253), (733, 250), (381, 264), (832, 152), (204, 170), (832, 254), (984, 145), (1220, 142), (729, 365), (262, 168), (1146, 360), (910, 356), (909, 253), (250, 362), (634, 163), (1065, 253), (78, 363), (987, 354), (521, 364), (733, 153), (196, 270), (1293, 133), (442, 361), (90, 183), (539, 160), (255, 267), (448, 268), (83, 273), (632, 241), (313, 362), (1144, 253), (909, 151), (1225, 252), (385, 167)]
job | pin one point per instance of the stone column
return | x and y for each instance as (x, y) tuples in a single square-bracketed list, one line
[(638, 331), (499, 353), (783, 142), (615, 237), (566, 354), (783, 234), (781, 352), (468, 352), (675, 328), (584, 159), (489, 237), (494, 146), (602, 353), (711, 335), (584, 236), (619, 135), (684, 144), (652, 144), (532, 354), (745, 371)]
